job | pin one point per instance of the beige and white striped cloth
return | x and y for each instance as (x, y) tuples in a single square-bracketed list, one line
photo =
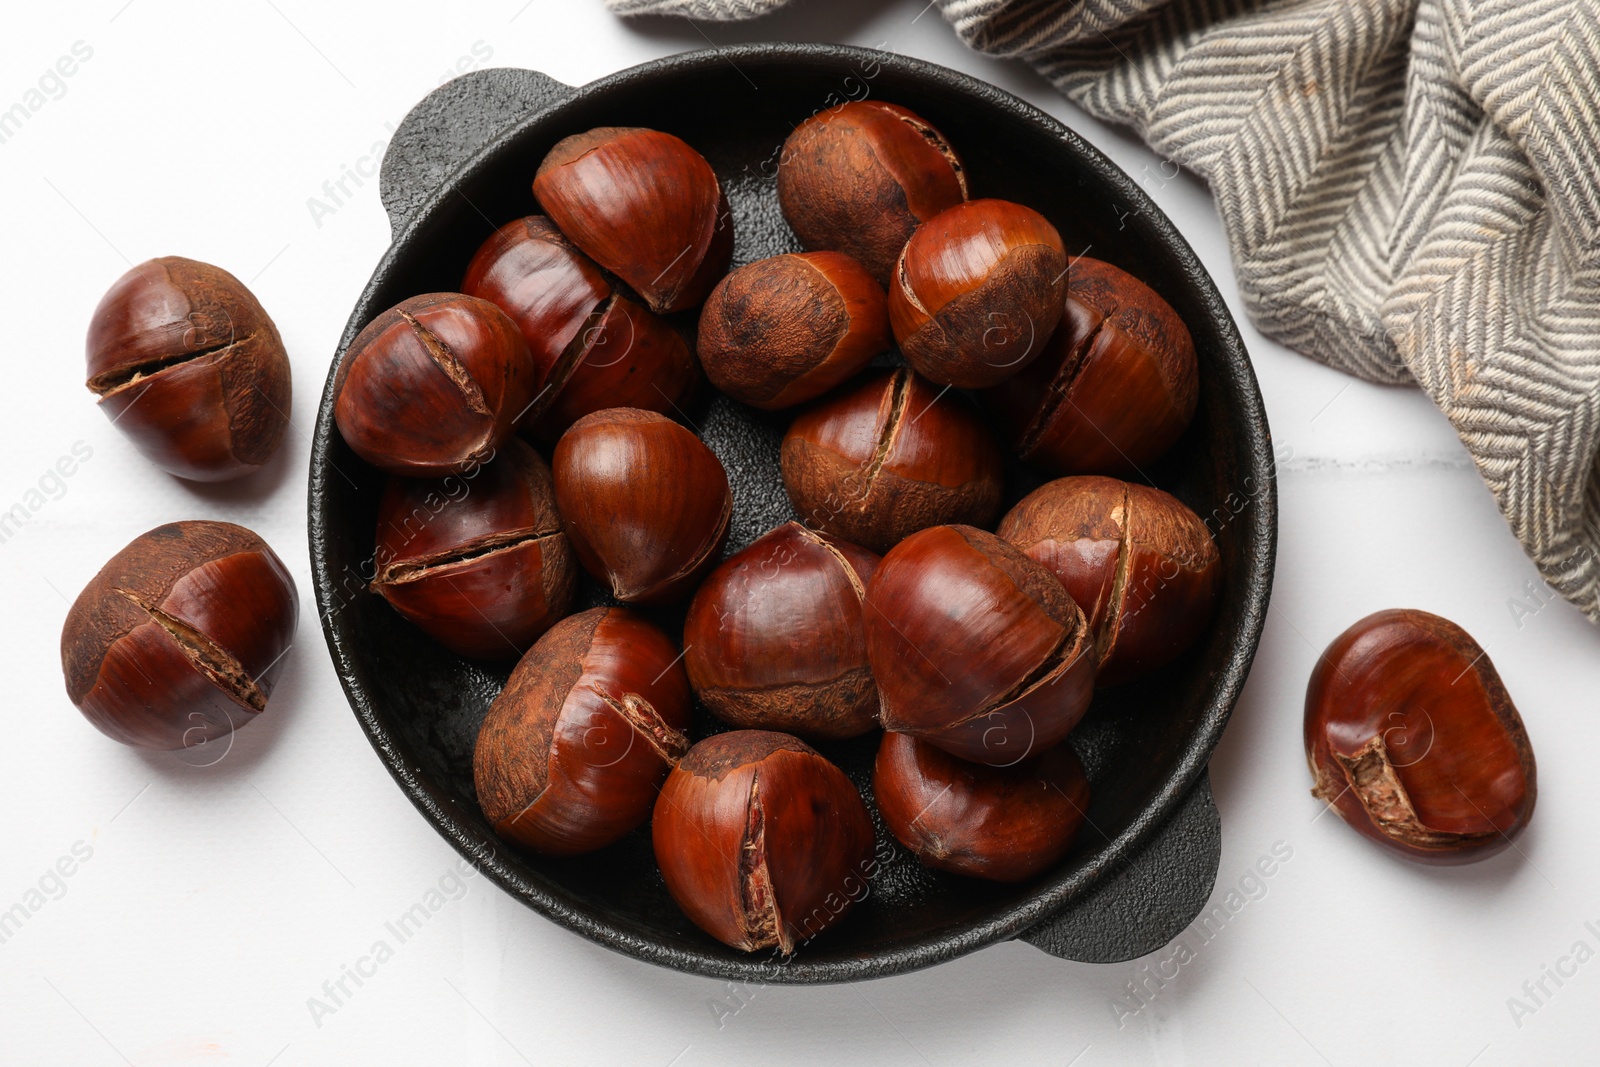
[(1411, 189)]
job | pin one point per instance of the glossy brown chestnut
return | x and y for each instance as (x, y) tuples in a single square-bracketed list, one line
[(433, 385), (477, 561), (975, 647), (1413, 740), (181, 636), (645, 206), (1001, 823), (762, 842), (888, 457), (1140, 564), (189, 366), (644, 502), (977, 292), (774, 640), (1116, 385), (592, 348), (573, 750), (784, 330), (860, 177)]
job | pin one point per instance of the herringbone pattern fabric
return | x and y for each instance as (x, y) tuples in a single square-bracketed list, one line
[(1411, 189)]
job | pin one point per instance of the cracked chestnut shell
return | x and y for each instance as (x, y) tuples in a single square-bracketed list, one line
[(433, 385), (644, 502), (592, 347), (783, 330), (976, 648), (773, 639), (645, 206), (761, 841), (1005, 824), (1140, 564), (188, 365), (887, 457), (977, 292), (477, 561), (859, 178), (573, 750), (181, 636), (1413, 739), (1117, 383)]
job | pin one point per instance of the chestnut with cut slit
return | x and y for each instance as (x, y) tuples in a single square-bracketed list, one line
[(1116, 385), (181, 637), (645, 206), (188, 365), (1140, 564), (433, 385), (573, 750), (761, 841), (592, 347), (781, 331), (773, 639), (477, 561), (887, 457), (1000, 823), (1414, 741), (977, 292), (859, 178), (644, 502), (975, 647)]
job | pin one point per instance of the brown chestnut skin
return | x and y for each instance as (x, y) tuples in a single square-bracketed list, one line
[(975, 647), (774, 641), (888, 456), (478, 563), (1005, 824), (977, 292), (761, 841), (644, 502), (1116, 385), (1413, 740), (645, 206), (1138, 561), (781, 331), (181, 637), (623, 357), (433, 385), (188, 365), (859, 178), (573, 750)]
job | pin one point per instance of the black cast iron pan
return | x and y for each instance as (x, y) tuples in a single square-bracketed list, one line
[(462, 162)]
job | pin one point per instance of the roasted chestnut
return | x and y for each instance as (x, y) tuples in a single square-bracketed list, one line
[(644, 502), (762, 842), (433, 385), (189, 366), (1140, 564), (780, 331), (860, 177), (773, 639), (573, 750), (1115, 386), (181, 636), (890, 456), (975, 647), (1414, 741), (592, 348), (1001, 823), (977, 291), (645, 206), (477, 561)]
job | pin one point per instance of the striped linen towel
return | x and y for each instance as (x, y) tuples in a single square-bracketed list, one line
[(1411, 189)]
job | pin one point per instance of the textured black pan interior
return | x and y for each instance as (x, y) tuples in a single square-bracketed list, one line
[(1147, 863)]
